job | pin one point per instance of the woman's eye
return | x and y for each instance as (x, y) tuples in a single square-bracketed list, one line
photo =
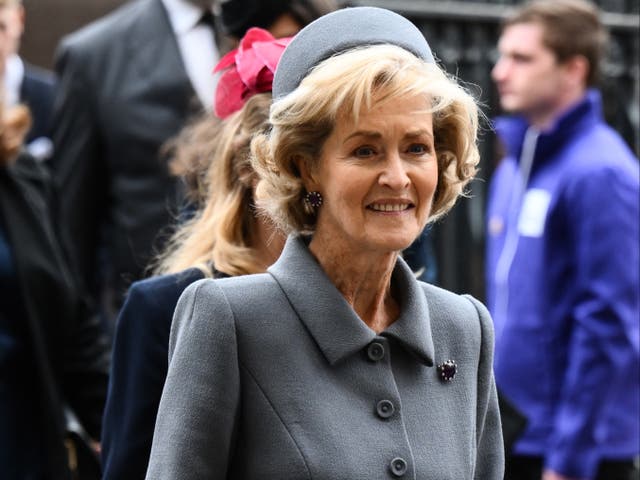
[(364, 152), (418, 148)]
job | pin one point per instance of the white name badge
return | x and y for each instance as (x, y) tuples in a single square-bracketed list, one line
[(534, 212)]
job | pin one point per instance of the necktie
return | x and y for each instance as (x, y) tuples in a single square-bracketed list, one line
[(208, 20)]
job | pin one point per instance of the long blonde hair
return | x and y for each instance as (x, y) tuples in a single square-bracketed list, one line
[(214, 156)]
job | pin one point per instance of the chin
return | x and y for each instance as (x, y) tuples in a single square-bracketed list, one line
[(510, 105), (393, 245)]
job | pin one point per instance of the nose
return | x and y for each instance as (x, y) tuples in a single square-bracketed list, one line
[(499, 70), (394, 174)]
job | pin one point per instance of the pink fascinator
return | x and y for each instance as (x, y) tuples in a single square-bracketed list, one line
[(249, 70)]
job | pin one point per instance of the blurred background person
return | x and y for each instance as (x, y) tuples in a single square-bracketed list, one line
[(563, 252), (283, 18), (225, 237), (24, 83), (53, 355), (337, 362), (128, 83)]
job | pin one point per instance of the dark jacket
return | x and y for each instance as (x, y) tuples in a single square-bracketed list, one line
[(72, 343), (140, 358), (123, 92), (274, 376)]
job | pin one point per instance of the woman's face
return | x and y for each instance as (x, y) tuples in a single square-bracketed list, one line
[(378, 177)]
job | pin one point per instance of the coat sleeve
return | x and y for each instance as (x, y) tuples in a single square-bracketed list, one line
[(196, 423), (137, 377), (78, 164), (489, 443), (86, 368)]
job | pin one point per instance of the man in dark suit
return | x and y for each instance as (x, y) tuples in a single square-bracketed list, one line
[(128, 83), (24, 83)]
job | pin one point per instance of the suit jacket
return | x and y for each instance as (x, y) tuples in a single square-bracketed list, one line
[(274, 376), (37, 92), (139, 368), (123, 92), (72, 345)]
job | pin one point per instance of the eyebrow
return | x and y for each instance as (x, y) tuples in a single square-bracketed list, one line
[(419, 133), (376, 135), (363, 133)]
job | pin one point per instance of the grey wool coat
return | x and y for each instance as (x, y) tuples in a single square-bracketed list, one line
[(274, 376)]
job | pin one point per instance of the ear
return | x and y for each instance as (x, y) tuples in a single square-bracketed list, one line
[(577, 70), (306, 174)]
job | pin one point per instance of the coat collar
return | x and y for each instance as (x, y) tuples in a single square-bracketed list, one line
[(154, 50), (331, 321), (512, 129), (152, 28)]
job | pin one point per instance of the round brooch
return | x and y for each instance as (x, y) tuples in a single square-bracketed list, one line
[(447, 370)]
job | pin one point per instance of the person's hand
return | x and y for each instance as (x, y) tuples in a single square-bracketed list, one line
[(551, 475), (96, 447)]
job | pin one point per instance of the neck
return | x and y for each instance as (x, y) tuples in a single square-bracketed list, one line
[(545, 119), (363, 278)]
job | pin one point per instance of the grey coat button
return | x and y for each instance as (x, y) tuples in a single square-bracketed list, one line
[(375, 351), (398, 467), (385, 408)]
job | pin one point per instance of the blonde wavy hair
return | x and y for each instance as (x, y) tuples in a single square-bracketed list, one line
[(14, 125), (344, 85), (213, 156)]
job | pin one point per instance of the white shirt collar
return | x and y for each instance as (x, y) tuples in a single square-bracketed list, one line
[(13, 76), (183, 15)]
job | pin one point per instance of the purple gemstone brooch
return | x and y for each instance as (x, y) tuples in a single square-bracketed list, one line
[(447, 370)]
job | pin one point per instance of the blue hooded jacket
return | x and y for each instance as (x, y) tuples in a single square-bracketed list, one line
[(564, 289)]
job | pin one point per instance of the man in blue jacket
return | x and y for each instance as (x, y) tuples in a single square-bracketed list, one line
[(563, 252)]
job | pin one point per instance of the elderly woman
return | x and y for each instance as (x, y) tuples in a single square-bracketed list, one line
[(337, 363)]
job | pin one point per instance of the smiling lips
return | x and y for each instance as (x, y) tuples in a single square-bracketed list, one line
[(390, 207)]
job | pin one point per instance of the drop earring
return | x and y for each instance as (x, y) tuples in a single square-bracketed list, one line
[(312, 201)]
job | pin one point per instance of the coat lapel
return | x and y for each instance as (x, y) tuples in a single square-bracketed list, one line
[(153, 48), (330, 320)]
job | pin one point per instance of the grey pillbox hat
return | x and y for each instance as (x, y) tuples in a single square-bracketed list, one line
[(339, 31)]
